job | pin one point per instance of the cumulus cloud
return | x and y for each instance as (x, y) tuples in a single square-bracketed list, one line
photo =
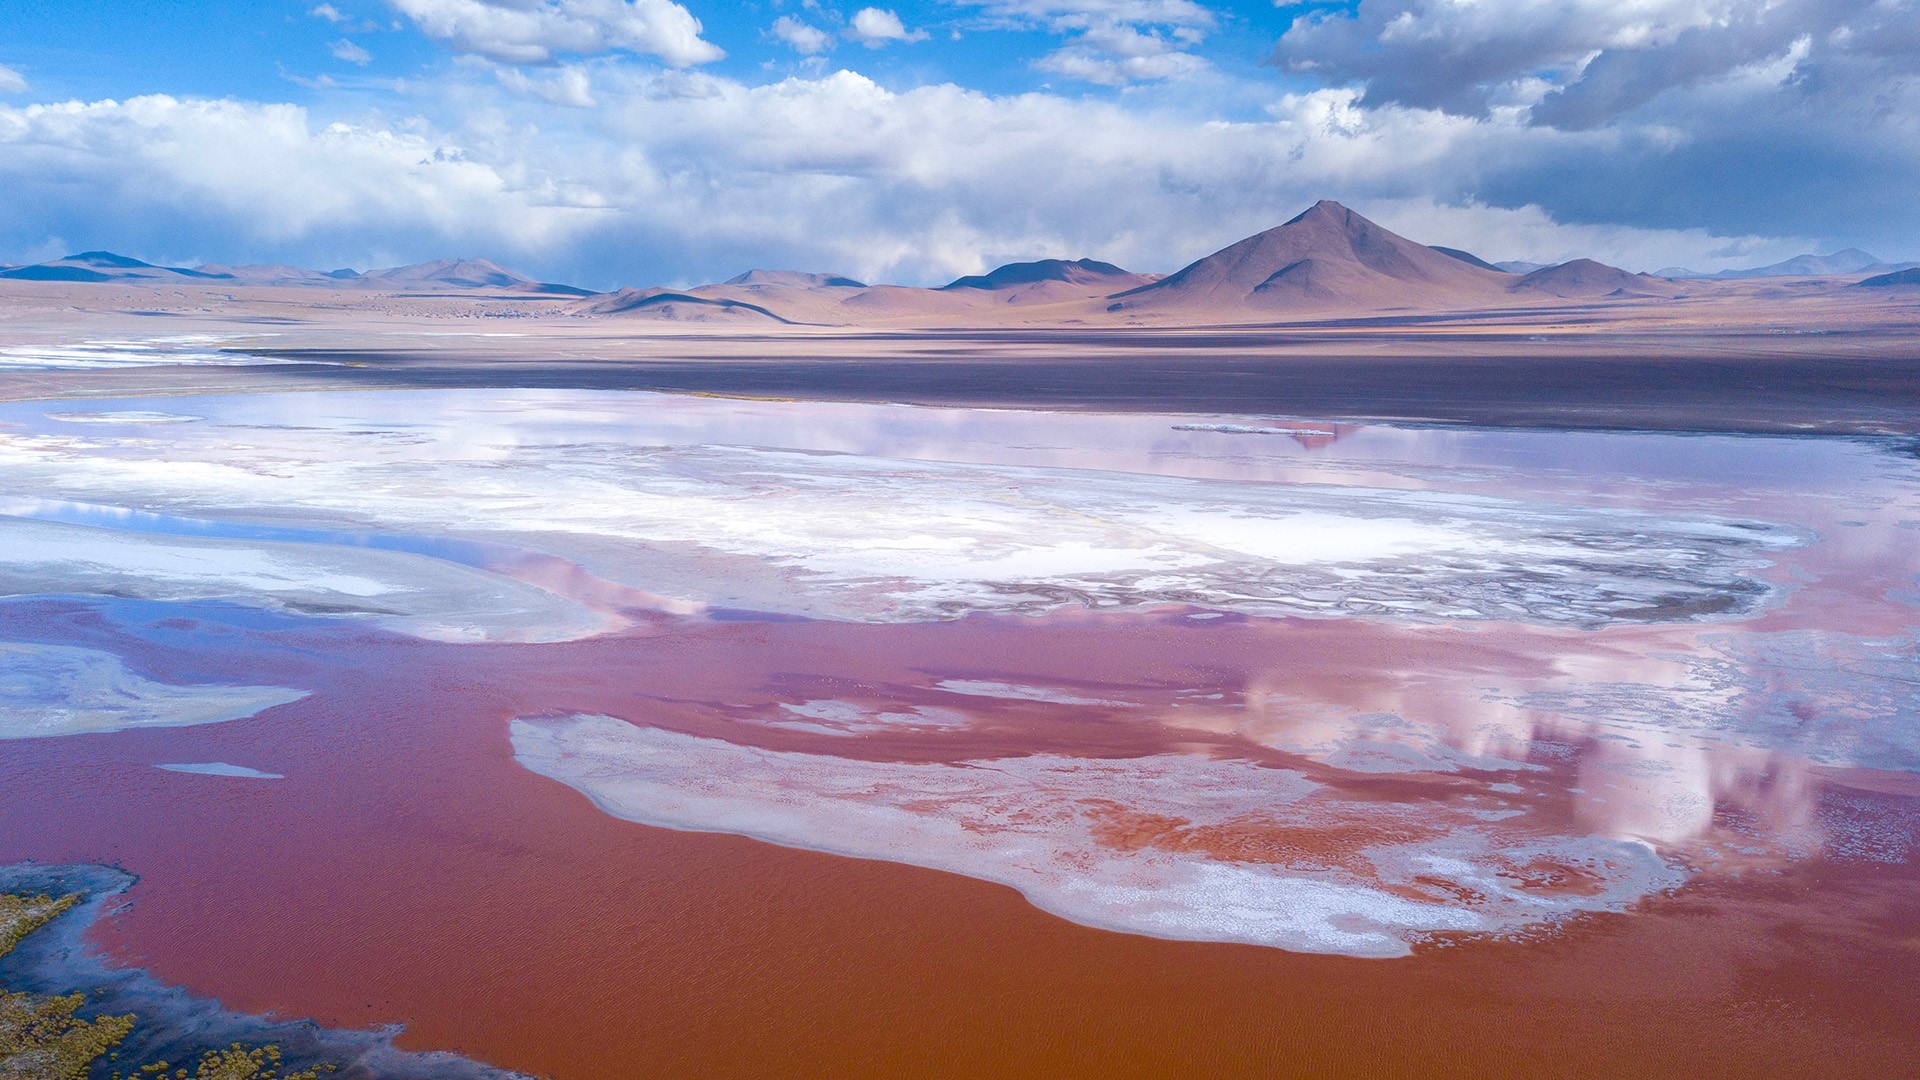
[(328, 12), (178, 177), (539, 31), (351, 53), (568, 86), (1174, 12), (11, 81), (1114, 42), (1732, 115), (876, 29), (802, 37), (1114, 55), (1584, 63), (682, 177)]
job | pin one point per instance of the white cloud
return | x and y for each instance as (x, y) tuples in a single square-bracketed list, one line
[(238, 176), (1170, 12), (569, 86), (11, 81), (1115, 54), (682, 177), (1114, 42), (804, 39), (328, 12), (351, 53), (1581, 63), (538, 31), (1088, 65), (318, 82), (875, 28)]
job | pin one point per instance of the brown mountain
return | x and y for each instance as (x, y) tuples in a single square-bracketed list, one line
[(793, 279), (1073, 272), (462, 274), (257, 274), (1047, 281), (1584, 277), (671, 306), (1328, 258)]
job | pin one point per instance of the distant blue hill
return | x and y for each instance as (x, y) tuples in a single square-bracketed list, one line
[(1076, 271), (98, 266), (1838, 264), (1909, 276), (106, 266)]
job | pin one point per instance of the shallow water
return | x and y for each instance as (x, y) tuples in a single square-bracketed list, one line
[(1362, 690)]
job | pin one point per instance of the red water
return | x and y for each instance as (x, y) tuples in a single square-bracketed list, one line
[(408, 871)]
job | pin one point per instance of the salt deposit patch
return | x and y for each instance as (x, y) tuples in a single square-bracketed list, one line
[(1250, 429), (884, 539), (195, 349), (411, 594), (1171, 845), (48, 690), (123, 416), (221, 768), (1051, 695), (850, 718)]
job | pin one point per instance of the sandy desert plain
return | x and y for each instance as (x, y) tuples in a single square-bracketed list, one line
[(1338, 658)]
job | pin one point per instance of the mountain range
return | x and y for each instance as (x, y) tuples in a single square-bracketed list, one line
[(105, 266), (1839, 264), (1327, 261)]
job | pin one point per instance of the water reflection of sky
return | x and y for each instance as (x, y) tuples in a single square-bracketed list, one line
[(486, 421), (1522, 646)]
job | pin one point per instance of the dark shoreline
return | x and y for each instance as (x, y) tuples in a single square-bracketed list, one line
[(1742, 394), (172, 1025)]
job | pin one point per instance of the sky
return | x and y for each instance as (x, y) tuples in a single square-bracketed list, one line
[(634, 142)]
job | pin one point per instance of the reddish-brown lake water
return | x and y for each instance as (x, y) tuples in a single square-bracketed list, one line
[(1757, 749)]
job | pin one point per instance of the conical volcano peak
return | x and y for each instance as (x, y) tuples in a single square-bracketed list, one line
[(1328, 257), (1332, 213)]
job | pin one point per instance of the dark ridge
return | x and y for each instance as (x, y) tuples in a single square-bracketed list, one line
[(108, 258), (1027, 273), (1468, 257), (1898, 277), (54, 273), (799, 278), (662, 299)]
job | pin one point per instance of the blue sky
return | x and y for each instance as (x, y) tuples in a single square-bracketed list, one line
[(116, 48), (640, 141)]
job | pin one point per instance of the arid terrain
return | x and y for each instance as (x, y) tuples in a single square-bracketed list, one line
[(1326, 316)]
